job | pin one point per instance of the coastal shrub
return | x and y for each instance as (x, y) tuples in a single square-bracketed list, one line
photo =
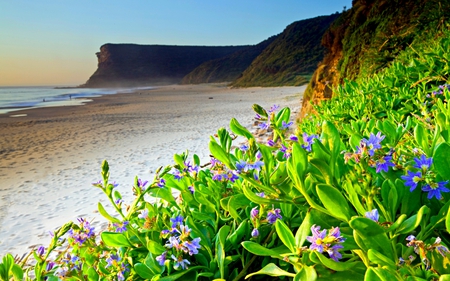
[(359, 191)]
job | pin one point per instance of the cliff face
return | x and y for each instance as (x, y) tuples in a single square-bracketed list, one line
[(291, 57), (228, 68), (138, 65), (367, 37)]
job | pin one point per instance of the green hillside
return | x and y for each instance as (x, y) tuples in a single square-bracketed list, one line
[(368, 37), (227, 68), (291, 57)]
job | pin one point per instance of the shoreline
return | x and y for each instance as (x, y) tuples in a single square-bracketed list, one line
[(50, 157)]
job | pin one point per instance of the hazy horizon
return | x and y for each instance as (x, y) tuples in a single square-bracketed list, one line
[(53, 43)]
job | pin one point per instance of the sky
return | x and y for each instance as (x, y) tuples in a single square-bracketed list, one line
[(53, 42)]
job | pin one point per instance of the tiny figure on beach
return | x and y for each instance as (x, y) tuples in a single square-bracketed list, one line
[(43, 100), (70, 96)]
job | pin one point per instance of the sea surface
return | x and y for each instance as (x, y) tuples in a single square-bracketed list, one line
[(18, 98)]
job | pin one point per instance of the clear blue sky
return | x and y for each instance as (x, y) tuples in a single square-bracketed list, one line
[(54, 42)]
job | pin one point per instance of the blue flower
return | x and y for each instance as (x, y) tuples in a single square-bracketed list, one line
[(242, 166), (264, 125), (435, 189), (121, 227), (255, 233), (192, 246), (293, 138), (261, 194), (423, 163), (243, 147), (286, 151), (257, 165), (285, 125), (161, 183), (174, 242), (141, 184), (177, 221), (374, 142), (384, 163), (161, 259), (412, 179), (180, 262), (113, 260), (177, 175), (308, 141), (273, 215), (191, 189), (373, 215), (333, 252), (330, 243)]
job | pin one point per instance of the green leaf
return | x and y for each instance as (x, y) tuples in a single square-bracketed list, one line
[(372, 235), (334, 265), (17, 272), (306, 273), (114, 239), (421, 137), (220, 154), (380, 259), (272, 270), (92, 274), (220, 248), (240, 130), (260, 110), (163, 193), (257, 249), (303, 231), (236, 237), (447, 220), (155, 247), (411, 223), (333, 201), (174, 277), (283, 115), (105, 214), (285, 235), (441, 160)]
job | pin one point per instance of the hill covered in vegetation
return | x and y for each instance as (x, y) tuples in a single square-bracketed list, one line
[(291, 57), (227, 68), (137, 65), (368, 37)]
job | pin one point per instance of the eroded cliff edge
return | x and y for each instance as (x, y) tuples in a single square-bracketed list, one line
[(129, 65)]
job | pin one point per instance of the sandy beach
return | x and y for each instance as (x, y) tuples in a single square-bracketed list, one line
[(50, 156)]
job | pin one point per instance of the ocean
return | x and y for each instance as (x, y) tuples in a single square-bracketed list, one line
[(18, 98)]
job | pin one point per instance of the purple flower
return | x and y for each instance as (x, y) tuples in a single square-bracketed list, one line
[(255, 233), (270, 142), (257, 116), (274, 108), (293, 138), (113, 260), (242, 166), (261, 194), (257, 165), (192, 246), (191, 189), (273, 215), (286, 151), (412, 179), (177, 221), (141, 184), (373, 215), (264, 125), (254, 212), (49, 266), (441, 249), (333, 252), (316, 239), (285, 125), (243, 148), (374, 142), (40, 251), (435, 189), (258, 155), (174, 242), (384, 163), (180, 262), (121, 227), (144, 214), (62, 272), (308, 141), (423, 163), (161, 259), (215, 162), (177, 175), (161, 183), (336, 233)]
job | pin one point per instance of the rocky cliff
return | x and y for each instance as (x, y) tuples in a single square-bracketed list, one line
[(125, 65), (228, 68), (367, 37)]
